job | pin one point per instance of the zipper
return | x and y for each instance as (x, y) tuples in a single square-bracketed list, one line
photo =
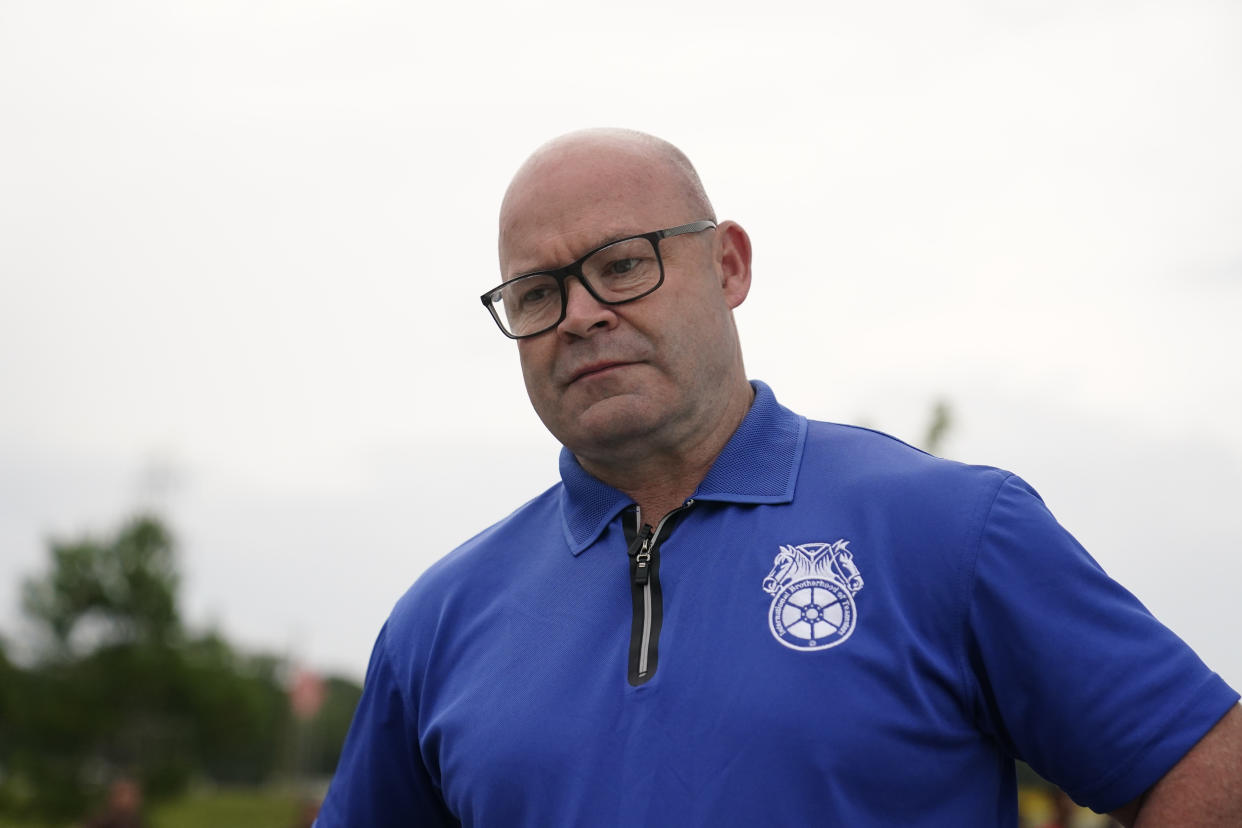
[(646, 595)]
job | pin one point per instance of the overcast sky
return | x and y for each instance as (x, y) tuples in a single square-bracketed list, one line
[(241, 245)]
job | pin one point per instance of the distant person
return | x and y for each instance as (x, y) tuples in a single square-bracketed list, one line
[(725, 614), (123, 808), (308, 809)]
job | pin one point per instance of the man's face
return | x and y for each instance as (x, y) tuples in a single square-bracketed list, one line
[(622, 378)]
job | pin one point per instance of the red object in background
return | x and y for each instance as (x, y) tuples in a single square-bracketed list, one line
[(306, 694)]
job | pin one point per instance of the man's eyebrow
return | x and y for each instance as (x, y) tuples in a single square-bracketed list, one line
[(605, 240)]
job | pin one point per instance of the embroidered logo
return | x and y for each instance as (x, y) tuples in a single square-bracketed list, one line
[(812, 588)]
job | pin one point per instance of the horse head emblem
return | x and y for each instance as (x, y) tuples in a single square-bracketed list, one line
[(812, 587), (781, 567), (814, 560)]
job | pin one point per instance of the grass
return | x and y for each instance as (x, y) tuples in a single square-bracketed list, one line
[(260, 808), (233, 808)]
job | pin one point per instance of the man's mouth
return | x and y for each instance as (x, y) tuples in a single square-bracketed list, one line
[(595, 369)]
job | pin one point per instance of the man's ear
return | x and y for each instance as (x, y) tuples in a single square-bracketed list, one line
[(733, 257)]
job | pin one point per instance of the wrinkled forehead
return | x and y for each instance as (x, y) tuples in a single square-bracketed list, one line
[(561, 206)]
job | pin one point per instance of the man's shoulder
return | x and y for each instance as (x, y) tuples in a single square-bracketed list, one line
[(490, 557), (865, 454), (866, 471)]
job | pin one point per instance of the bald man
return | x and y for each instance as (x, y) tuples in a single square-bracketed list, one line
[(725, 614)]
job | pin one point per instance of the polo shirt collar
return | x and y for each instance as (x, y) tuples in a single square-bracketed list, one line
[(759, 464)]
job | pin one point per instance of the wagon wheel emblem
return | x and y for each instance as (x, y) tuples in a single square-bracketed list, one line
[(812, 588), (813, 612)]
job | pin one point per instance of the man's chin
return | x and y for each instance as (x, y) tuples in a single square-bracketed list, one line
[(608, 422)]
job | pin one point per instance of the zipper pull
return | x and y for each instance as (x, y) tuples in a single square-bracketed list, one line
[(642, 566), (639, 549)]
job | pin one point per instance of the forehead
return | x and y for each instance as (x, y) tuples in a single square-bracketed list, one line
[(563, 205)]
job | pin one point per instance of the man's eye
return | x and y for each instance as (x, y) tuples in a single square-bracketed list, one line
[(534, 296), (621, 267)]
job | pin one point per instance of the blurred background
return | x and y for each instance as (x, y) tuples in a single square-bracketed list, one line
[(247, 391)]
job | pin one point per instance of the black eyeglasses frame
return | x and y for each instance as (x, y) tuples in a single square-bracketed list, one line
[(562, 274)]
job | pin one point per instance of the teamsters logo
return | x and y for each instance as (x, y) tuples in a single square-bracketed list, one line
[(812, 588)]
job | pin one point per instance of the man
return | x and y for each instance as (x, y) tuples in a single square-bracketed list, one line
[(727, 615)]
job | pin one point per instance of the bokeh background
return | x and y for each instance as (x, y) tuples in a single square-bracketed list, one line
[(241, 245)]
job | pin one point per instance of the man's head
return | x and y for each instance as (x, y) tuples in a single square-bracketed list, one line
[(613, 381)]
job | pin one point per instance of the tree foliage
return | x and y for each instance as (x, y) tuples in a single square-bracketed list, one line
[(122, 687), (126, 585), (325, 733), (939, 427)]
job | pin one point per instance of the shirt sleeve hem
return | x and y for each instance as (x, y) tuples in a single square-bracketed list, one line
[(1203, 709)]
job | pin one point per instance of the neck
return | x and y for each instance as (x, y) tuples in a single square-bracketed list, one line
[(661, 476)]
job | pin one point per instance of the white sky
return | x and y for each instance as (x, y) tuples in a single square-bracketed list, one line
[(240, 245)]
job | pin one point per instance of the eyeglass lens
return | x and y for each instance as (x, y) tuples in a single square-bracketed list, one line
[(616, 273)]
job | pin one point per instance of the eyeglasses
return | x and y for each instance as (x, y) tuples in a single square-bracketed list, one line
[(619, 272)]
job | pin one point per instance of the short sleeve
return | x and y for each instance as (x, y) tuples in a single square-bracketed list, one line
[(1072, 674), (380, 780)]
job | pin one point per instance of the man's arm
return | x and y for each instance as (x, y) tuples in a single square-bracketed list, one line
[(380, 780), (1203, 789)]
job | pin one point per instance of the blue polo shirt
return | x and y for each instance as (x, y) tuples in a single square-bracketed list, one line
[(838, 629)]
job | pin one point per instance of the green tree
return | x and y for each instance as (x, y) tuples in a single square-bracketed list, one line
[(104, 694), (124, 588), (326, 732), (239, 708), (939, 427), (122, 687)]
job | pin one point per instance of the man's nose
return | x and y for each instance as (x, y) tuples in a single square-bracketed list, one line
[(584, 314)]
